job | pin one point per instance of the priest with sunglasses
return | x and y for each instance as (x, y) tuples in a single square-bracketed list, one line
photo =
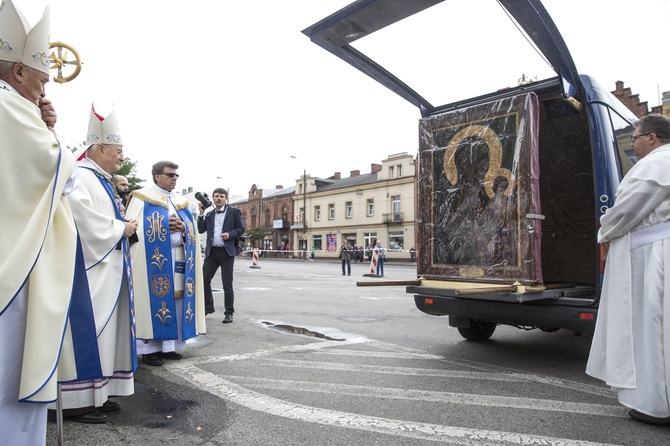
[(167, 268)]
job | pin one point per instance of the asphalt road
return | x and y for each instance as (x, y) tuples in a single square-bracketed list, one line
[(313, 359)]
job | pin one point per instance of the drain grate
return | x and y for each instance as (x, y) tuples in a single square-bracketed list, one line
[(284, 328)]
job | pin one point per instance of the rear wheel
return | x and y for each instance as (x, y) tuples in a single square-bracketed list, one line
[(478, 331)]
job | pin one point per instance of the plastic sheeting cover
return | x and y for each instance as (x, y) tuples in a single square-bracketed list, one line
[(478, 195)]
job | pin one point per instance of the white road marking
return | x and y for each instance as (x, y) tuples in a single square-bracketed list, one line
[(189, 370), (606, 410), (223, 388)]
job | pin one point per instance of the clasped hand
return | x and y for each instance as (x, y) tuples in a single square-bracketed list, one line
[(176, 225), (131, 227)]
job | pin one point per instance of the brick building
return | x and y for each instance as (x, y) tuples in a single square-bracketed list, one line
[(272, 210), (633, 103)]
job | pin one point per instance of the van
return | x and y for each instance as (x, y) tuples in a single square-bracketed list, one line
[(511, 184)]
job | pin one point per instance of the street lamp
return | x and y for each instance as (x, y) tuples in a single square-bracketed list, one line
[(303, 243)]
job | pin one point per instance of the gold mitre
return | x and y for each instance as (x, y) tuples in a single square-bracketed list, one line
[(21, 43)]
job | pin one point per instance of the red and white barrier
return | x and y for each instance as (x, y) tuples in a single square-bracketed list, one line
[(254, 263), (374, 259)]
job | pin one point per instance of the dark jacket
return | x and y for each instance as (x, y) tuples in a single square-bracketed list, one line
[(233, 225)]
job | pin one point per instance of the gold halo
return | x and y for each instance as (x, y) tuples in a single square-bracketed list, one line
[(495, 157)]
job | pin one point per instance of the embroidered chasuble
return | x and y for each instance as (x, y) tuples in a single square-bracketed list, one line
[(40, 261), (165, 267), (107, 260)]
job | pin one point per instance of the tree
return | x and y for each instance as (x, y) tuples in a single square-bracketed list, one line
[(255, 233), (127, 169)]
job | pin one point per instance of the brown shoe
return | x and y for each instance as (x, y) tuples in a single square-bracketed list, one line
[(648, 419)]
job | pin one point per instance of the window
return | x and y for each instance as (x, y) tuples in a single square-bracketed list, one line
[(369, 238), (317, 213), (399, 170), (396, 240), (371, 207), (395, 203), (391, 172), (623, 130), (331, 212), (349, 207), (267, 218), (253, 217), (318, 243)]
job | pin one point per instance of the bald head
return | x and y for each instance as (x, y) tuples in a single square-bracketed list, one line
[(120, 183)]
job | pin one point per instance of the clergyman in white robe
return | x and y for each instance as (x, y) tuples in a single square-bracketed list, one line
[(101, 233), (38, 246), (631, 344)]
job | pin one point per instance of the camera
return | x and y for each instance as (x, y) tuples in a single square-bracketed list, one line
[(204, 199)]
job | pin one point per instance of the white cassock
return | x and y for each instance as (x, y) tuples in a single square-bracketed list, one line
[(147, 341), (631, 343), (38, 246), (100, 232)]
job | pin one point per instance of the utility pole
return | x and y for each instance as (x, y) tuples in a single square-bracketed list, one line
[(304, 210)]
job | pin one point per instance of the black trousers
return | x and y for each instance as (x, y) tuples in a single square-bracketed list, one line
[(219, 257)]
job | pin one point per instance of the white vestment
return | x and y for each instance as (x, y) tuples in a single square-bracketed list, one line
[(631, 343), (38, 246), (146, 342), (100, 232)]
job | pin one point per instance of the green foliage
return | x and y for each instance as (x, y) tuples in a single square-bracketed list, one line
[(127, 169), (255, 233)]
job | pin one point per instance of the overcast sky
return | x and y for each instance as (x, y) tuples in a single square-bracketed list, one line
[(234, 89)]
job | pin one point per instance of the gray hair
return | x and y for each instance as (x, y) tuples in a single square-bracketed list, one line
[(159, 166), (656, 124), (6, 69)]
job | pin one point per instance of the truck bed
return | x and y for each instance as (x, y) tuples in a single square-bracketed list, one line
[(574, 308)]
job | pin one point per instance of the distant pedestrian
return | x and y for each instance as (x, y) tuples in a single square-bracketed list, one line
[(345, 256), (381, 251), (312, 253), (354, 254), (412, 254)]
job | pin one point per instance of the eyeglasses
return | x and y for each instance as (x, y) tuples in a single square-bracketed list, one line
[(170, 174), (634, 138)]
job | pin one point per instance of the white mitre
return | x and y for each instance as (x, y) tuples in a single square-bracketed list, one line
[(20, 43), (100, 131), (103, 130)]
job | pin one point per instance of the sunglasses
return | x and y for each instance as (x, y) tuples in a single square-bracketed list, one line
[(170, 174)]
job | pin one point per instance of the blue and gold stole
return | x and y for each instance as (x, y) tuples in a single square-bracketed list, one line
[(166, 283), (127, 270)]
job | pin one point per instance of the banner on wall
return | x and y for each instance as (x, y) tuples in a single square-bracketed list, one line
[(331, 242)]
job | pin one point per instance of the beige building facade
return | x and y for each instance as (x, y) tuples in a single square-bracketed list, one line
[(358, 210)]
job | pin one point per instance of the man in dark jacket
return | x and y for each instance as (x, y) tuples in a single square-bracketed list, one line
[(224, 226)]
